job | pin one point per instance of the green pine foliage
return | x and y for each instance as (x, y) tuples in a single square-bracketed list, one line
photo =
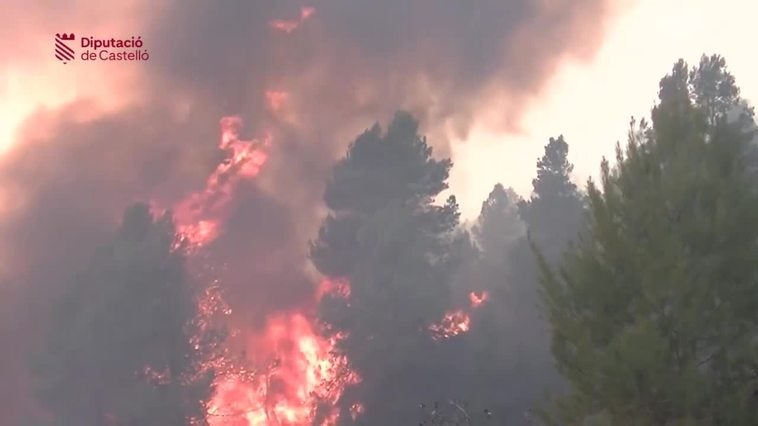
[(655, 310)]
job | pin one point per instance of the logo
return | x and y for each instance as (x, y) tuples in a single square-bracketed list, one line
[(94, 49), (63, 52)]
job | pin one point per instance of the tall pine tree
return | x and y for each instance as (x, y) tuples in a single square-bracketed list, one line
[(119, 349), (553, 214), (388, 238), (655, 311), (498, 370)]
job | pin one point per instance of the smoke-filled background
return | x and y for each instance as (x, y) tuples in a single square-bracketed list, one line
[(85, 140)]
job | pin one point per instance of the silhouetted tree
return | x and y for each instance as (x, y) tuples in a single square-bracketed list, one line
[(553, 214), (391, 241), (119, 349), (498, 225), (492, 358), (508, 365)]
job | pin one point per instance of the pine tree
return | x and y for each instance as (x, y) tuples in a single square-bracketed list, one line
[(553, 215), (498, 225), (655, 310), (391, 242), (498, 373), (118, 350)]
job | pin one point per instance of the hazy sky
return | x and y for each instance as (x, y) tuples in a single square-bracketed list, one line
[(591, 104)]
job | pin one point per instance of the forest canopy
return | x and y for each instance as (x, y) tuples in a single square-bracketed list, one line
[(631, 300)]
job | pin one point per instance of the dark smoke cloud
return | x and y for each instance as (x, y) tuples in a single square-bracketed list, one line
[(271, 251), (363, 60), (350, 64)]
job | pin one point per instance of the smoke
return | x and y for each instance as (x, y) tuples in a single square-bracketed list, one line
[(312, 75)]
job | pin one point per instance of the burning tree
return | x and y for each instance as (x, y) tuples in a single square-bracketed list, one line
[(285, 372), (387, 238), (119, 350)]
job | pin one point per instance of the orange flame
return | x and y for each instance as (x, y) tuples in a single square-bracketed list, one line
[(291, 387), (478, 299), (458, 321), (301, 372), (453, 324), (199, 216)]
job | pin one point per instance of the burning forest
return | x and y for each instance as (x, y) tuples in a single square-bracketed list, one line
[(261, 225), (294, 369), (295, 375)]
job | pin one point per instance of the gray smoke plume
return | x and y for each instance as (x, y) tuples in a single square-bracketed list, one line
[(343, 67)]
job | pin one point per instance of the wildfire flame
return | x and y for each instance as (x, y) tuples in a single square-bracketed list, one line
[(295, 372), (478, 299), (452, 324), (304, 374), (199, 216), (458, 321), (296, 377)]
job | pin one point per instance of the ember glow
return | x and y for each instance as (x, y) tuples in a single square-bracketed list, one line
[(458, 321), (453, 324), (478, 298), (336, 287), (356, 410)]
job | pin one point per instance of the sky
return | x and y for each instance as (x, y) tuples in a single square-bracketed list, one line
[(591, 103)]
